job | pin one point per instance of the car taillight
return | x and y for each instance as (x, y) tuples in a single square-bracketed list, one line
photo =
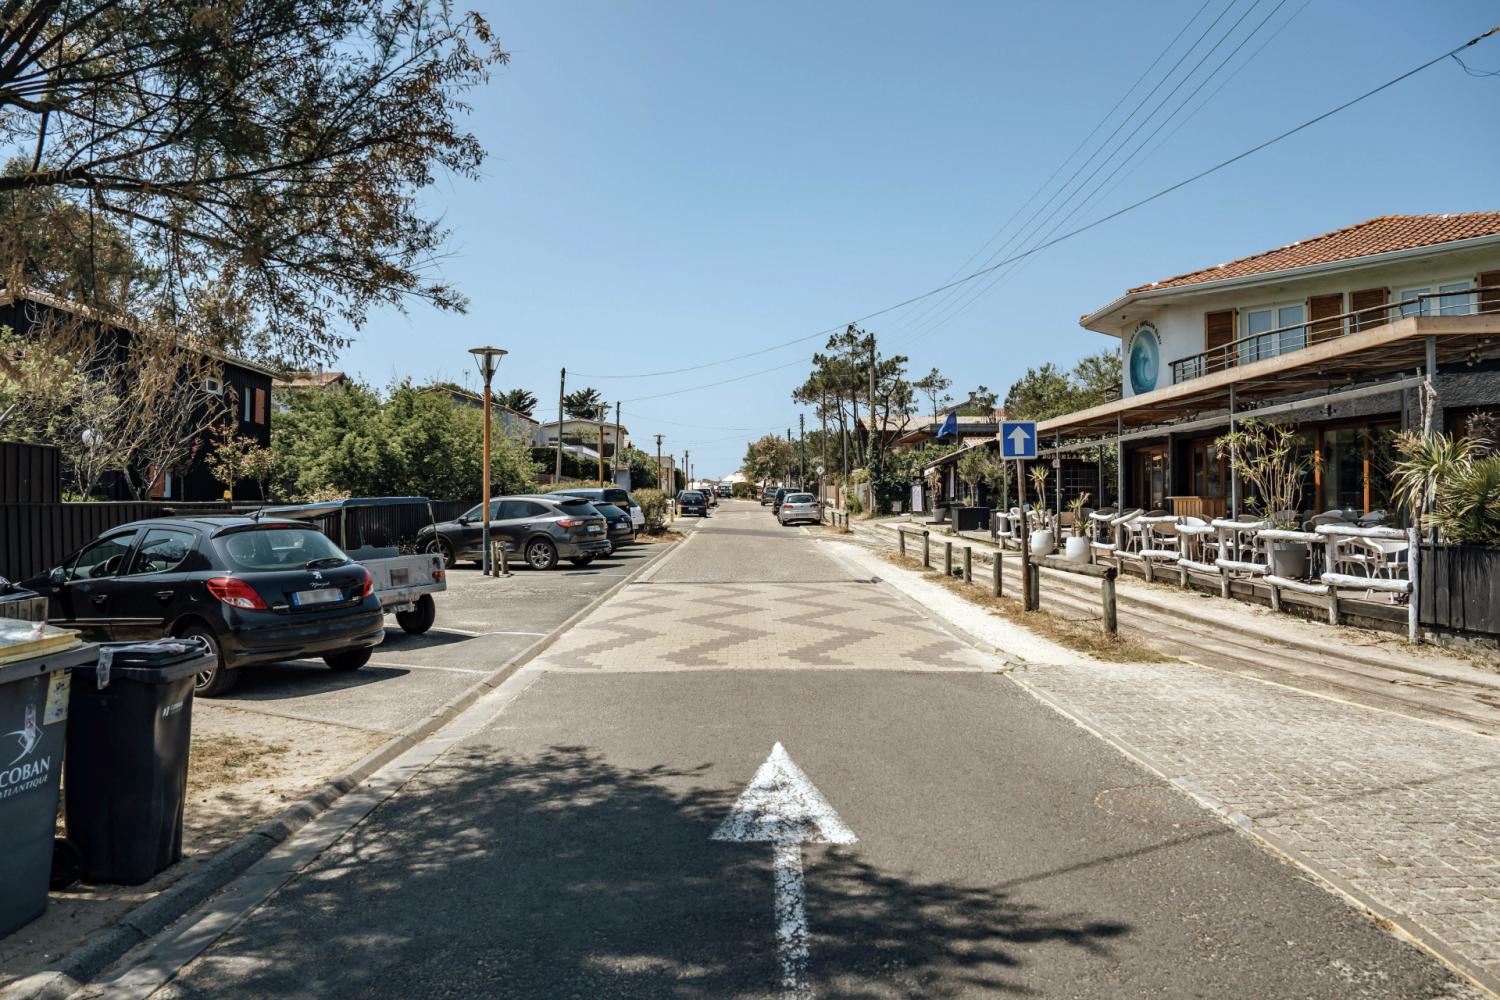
[(437, 576), (570, 522), (235, 593), (369, 585)]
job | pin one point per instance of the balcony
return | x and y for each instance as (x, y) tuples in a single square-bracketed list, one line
[(1290, 339)]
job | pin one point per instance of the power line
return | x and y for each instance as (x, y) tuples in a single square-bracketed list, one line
[(1139, 203)]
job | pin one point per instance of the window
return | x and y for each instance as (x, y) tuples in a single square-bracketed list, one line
[(101, 559), (278, 548), (214, 386), (1259, 323), (162, 550), (1455, 305), (515, 510), (245, 403), (1411, 305)]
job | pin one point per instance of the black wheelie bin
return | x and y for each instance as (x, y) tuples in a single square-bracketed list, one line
[(33, 723), (128, 757)]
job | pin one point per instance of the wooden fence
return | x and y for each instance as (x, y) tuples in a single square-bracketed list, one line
[(1458, 585), (29, 473)]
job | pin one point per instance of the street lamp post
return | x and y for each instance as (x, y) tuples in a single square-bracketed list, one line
[(488, 359)]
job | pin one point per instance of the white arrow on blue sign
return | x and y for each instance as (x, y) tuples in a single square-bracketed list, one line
[(1018, 439)]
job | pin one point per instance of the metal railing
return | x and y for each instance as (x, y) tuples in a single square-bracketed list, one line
[(1282, 340)]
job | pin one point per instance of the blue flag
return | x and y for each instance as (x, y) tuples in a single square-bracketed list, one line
[(950, 425)]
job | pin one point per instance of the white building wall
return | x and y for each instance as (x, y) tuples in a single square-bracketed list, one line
[(1179, 320)]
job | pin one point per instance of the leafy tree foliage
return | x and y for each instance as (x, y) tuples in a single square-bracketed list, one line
[(583, 404), (410, 442), (519, 400), (1048, 391), (245, 174)]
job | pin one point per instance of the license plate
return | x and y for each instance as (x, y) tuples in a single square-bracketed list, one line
[(400, 577), (594, 529), (303, 598)]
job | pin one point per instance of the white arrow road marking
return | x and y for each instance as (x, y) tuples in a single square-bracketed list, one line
[(781, 807)]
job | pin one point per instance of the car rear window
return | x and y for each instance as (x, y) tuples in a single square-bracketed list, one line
[(577, 506), (799, 498), (692, 495), (277, 548)]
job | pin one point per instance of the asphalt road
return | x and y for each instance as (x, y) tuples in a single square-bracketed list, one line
[(482, 622), (567, 848)]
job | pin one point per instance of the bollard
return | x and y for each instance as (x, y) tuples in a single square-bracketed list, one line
[(996, 587), (901, 543), (926, 550), (1034, 587), (968, 565), (1111, 621), (504, 559), (947, 558)]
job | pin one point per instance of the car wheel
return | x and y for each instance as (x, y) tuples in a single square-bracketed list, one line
[(581, 560), (420, 618), (541, 554), (349, 659), (444, 549), (218, 679)]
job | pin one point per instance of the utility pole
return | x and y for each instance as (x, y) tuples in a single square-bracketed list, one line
[(660, 483), (562, 386), (687, 472), (600, 412), (619, 438), (802, 451), (875, 432), (823, 415)]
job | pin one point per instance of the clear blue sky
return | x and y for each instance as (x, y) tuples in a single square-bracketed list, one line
[(671, 183)]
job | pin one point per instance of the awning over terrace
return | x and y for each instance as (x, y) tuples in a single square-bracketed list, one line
[(1389, 357)]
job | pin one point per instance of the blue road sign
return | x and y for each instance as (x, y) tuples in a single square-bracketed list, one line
[(1018, 439)]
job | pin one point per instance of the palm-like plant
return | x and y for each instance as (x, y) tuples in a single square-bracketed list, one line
[(1451, 484), (519, 400), (1468, 504), (583, 404), (1427, 463)]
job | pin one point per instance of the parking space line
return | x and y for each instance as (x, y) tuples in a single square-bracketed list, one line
[(475, 635), (428, 666)]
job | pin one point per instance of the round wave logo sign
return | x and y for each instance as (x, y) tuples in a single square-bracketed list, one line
[(1145, 358)]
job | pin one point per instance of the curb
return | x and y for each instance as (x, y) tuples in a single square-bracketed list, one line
[(74, 970), (1392, 921)]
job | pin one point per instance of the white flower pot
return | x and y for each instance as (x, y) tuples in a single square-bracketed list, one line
[(1076, 549), (1042, 542)]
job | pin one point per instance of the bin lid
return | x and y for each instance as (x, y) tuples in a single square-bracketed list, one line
[(157, 661)]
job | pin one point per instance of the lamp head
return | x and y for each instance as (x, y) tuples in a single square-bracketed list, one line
[(487, 359)]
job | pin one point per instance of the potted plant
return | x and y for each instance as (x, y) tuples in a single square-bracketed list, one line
[(1076, 547), (1270, 457), (1042, 539), (973, 469)]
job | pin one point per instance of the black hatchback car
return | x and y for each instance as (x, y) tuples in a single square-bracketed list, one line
[(543, 529), (621, 531), (255, 591), (692, 502)]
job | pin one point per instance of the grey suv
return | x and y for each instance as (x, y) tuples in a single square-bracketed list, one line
[(541, 529)]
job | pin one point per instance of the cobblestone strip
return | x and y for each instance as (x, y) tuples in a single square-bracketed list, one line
[(1406, 812)]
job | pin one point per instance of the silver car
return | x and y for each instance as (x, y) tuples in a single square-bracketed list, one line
[(799, 507)]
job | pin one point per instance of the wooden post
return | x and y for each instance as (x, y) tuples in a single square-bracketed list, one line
[(1028, 602), (968, 564), (1333, 605), (1413, 622), (1035, 587), (947, 558), (504, 559), (1330, 545), (926, 549), (1107, 593), (996, 586), (901, 543)]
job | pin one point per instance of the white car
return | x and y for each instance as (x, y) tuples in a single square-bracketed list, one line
[(799, 507)]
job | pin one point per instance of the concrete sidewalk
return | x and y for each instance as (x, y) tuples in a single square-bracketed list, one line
[(1396, 812), (1370, 668)]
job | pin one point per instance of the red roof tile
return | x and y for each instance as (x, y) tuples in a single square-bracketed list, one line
[(1375, 236)]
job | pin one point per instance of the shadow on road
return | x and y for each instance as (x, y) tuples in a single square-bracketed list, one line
[(563, 875)]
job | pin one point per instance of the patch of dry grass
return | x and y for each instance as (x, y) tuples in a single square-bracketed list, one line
[(1079, 636), (217, 760), (665, 538)]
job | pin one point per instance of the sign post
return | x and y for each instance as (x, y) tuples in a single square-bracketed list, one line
[(1018, 441)]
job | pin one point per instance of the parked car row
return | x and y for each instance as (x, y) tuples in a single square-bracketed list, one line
[(307, 580), (543, 529)]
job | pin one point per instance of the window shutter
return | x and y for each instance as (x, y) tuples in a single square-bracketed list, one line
[(1218, 331), (1489, 301), (1369, 298), (1319, 310), (260, 406)]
